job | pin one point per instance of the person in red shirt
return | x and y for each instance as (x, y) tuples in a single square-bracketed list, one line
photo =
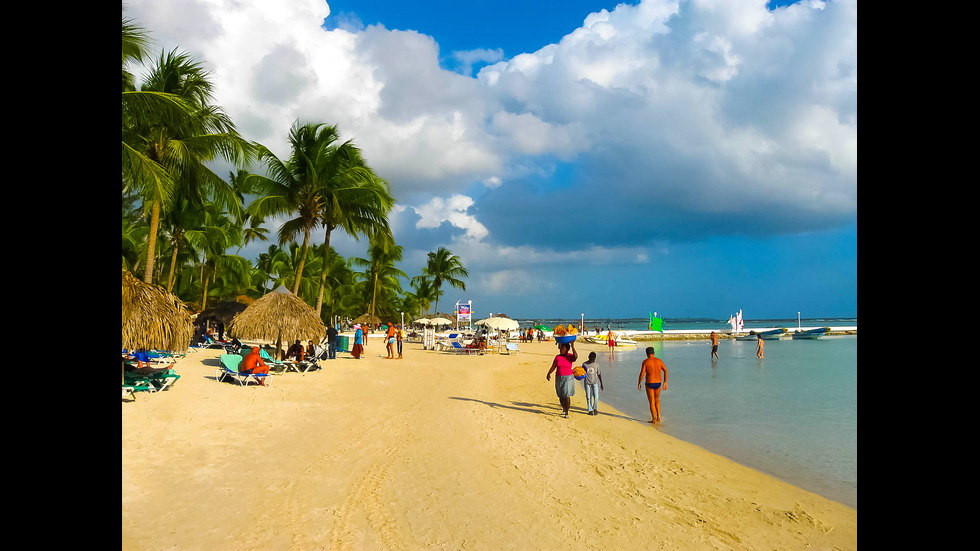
[(254, 364), (564, 380)]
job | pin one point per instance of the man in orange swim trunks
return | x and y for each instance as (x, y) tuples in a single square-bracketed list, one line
[(650, 370)]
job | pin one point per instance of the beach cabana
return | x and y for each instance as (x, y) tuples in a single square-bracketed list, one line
[(152, 318), (367, 318), (278, 314), (222, 312)]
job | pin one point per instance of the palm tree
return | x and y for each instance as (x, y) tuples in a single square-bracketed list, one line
[(135, 44), (355, 198), (381, 268), (171, 130), (443, 267), (293, 187), (423, 295)]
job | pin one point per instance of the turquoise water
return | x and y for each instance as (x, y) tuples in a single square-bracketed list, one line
[(792, 414)]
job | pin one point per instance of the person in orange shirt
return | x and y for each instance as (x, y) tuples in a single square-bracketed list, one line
[(650, 370), (390, 341), (254, 364), (714, 345)]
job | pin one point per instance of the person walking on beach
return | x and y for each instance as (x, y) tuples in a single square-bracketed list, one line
[(332, 342), (564, 380), (650, 371), (401, 335), (358, 348), (714, 345), (759, 351), (593, 383)]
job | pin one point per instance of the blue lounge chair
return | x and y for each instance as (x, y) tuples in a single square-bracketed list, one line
[(460, 349), (512, 348)]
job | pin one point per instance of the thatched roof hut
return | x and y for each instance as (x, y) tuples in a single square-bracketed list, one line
[(278, 314), (222, 312), (367, 318), (152, 318)]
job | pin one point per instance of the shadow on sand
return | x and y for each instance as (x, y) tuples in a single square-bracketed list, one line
[(551, 409)]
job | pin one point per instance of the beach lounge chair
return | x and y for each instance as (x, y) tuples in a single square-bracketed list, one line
[(458, 348), (512, 348), (163, 381), (154, 381), (131, 389), (229, 370)]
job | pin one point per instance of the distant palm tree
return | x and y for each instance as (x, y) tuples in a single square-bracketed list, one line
[(422, 297), (443, 267), (381, 268)]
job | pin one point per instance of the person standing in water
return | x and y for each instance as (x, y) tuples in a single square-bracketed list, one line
[(714, 345), (759, 351), (650, 371)]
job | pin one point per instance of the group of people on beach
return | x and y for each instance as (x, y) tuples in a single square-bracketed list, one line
[(653, 374), (394, 335)]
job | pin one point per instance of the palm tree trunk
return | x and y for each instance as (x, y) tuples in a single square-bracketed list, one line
[(173, 262), (302, 261), (374, 293), (204, 298), (323, 272), (151, 241)]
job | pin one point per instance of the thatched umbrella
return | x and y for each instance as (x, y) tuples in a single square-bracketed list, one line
[(278, 313), (223, 312), (368, 318), (152, 318)]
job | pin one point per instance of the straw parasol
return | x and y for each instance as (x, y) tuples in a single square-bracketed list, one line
[(152, 318), (224, 311), (368, 318), (279, 313)]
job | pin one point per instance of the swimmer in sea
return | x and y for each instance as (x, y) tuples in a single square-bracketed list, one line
[(650, 371)]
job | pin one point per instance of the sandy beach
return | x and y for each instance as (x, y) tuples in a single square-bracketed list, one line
[(435, 451)]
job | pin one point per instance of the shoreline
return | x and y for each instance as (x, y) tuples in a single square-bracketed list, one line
[(435, 451)]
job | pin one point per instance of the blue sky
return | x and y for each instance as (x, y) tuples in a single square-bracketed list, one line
[(692, 157)]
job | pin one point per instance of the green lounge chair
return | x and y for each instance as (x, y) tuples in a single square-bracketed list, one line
[(229, 369)]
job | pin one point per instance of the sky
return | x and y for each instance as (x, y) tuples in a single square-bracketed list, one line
[(689, 157)]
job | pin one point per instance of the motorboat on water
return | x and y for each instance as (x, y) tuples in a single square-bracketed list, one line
[(810, 333), (770, 335)]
